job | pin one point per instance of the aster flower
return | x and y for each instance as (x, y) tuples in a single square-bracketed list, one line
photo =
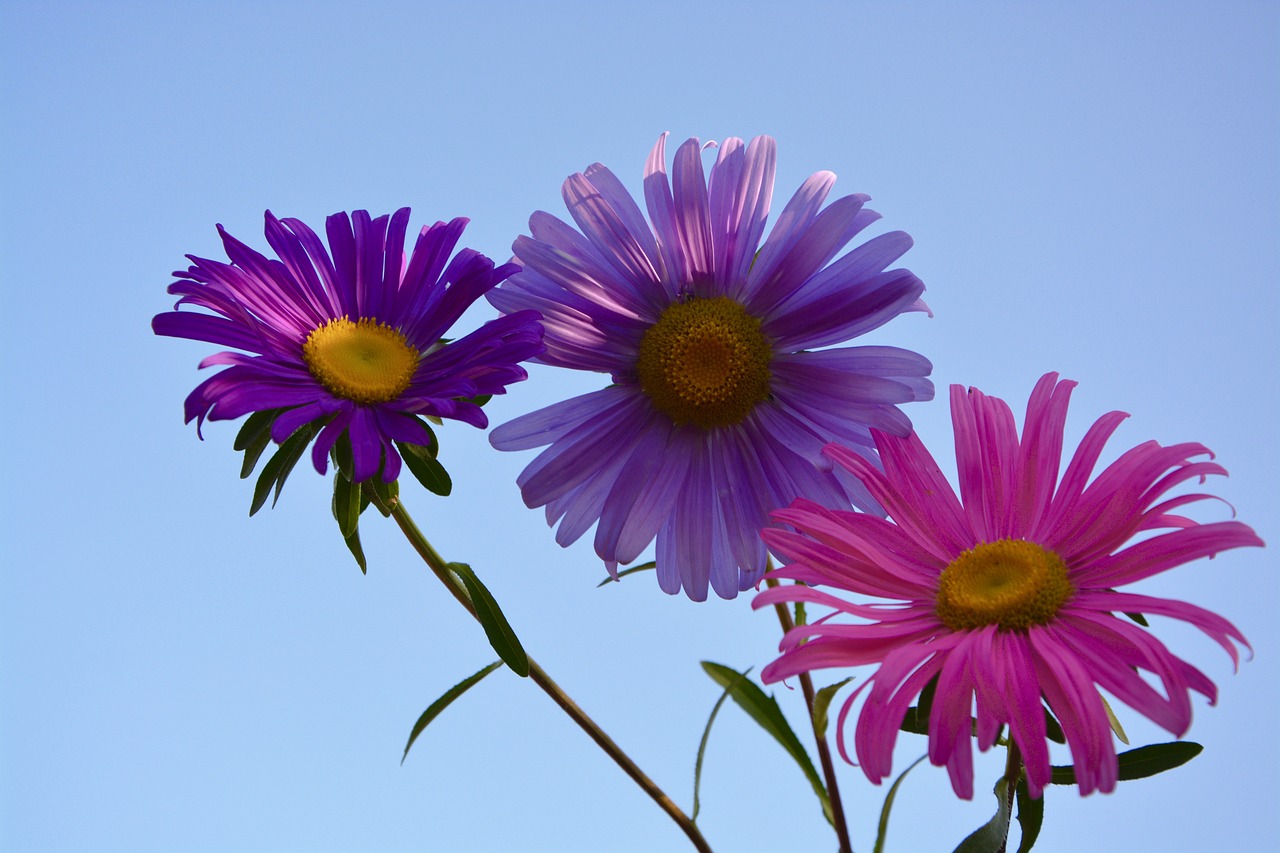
[(1006, 595), (352, 341), (721, 398)]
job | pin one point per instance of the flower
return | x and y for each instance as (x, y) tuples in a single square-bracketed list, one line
[(721, 401), (1007, 594), (353, 339)]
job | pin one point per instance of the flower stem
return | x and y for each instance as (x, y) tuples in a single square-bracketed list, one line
[(824, 751), (1012, 774), (539, 676)]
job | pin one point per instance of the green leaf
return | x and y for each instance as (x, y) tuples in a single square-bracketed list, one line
[(990, 837), (434, 709), (341, 454), (353, 543), (387, 494), (1141, 762), (1030, 816), (822, 702), (1053, 730), (346, 504), (253, 438), (702, 745), (765, 711), (253, 427), (501, 637), (1114, 721), (1139, 618), (888, 804), (643, 567), (424, 466), (916, 720), (277, 469)]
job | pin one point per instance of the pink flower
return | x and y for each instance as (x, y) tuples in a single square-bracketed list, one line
[(1007, 594)]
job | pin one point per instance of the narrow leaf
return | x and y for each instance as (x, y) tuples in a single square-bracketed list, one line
[(1053, 729), (277, 469), (643, 567), (353, 544), (821, 704), (496, 628), (254, 427), (916, 720), (434, 709), (765, 711), (342, 458), (253, 438), (426, 468), (888, 805), (346, 504), (387, 493), (1114, 721), (1139, 618), (990, 837), (702, 745), (1030, 816), (1141, 762)]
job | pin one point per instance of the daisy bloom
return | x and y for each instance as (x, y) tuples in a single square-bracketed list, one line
[(1007, 594), (721, 398), (351, 336)]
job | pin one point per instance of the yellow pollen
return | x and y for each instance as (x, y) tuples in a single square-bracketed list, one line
[(365, 361), (1011, 583), (705, 362)]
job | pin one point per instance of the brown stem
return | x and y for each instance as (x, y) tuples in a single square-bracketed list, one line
[(824, 751), (539, 676)]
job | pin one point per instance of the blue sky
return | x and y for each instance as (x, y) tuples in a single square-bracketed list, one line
[(1092, 190)]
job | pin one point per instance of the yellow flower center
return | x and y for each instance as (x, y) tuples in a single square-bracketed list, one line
[(705, 362), (365, 361), (1011, 583)]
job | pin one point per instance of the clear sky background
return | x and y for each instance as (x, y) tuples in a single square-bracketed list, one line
[(1092, 188)]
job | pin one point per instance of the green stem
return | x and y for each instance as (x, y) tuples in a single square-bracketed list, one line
[(1012, 775), (539, 676), (824, 751)]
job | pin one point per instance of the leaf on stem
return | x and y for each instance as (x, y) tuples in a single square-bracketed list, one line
[(888, 804), (1114, 721), (702, 745), (643, 567), (765, 711), (434, 709), (253, 438), (346, 504), (1030, 815), (357, 551), (277, 469), (422, 463), (1052, 728), (916, 720), (1141, 762), (990, 837), (387, 494), (822, 703), (496, 628)]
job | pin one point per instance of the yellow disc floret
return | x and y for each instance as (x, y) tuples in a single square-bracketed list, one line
[(705, 362), (365, 361), (1011, 583)]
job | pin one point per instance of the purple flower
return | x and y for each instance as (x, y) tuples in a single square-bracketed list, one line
[(721, 398), (353, 340), (1006, 595)]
